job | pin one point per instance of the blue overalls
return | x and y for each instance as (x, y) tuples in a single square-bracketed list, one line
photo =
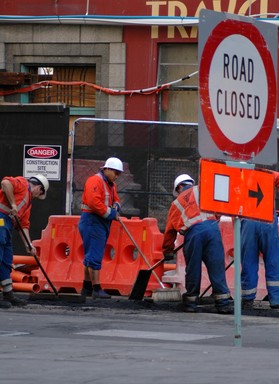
[(203, 242), (6, 247), (256, 237)]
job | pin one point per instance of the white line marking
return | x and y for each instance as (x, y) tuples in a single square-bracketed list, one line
[(148, 335), (12, 333)]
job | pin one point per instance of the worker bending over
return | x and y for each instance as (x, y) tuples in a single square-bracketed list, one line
[(202, 242), (16, 195)]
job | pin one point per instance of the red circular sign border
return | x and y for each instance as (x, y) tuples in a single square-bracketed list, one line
[(219, 33)]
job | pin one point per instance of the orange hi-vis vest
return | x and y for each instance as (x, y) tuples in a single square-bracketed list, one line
[(99, 196), (22, 196), (183, 213)]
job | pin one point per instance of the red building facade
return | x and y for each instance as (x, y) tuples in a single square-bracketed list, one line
[(150, 28)]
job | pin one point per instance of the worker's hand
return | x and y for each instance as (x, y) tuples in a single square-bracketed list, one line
[(116, 206), (14, 210), (168, 256), (32, 251)]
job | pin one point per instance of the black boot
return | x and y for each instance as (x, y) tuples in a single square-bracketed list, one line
[(86, 288), (14, 301), (3, 303)]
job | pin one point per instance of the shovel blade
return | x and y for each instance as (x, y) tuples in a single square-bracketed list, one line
[(140, 284)]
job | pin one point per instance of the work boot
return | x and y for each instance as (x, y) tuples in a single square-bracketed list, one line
[(225, 309), (3, 303), (13, 300), (100, 294), (190, 304), (86, 292), (86, 288), (247, 304)]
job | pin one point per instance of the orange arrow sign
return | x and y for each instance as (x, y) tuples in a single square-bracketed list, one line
[(236, 191)]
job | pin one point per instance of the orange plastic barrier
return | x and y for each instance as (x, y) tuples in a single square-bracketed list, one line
[(122, 261), (61, 254), (177, 277)]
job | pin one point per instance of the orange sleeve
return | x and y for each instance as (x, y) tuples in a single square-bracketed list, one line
[(170, 232), (94, 195), (20, 186), (276, 179)]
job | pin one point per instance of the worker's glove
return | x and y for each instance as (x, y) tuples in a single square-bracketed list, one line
[(168, 256), (116, 206)]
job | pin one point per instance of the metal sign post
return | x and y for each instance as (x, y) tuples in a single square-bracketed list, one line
[(218, 182), (237, 122)]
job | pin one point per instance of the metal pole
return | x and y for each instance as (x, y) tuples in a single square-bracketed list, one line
[(237, 284)]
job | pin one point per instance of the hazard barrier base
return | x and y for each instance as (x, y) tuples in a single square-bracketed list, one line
[(61, 254)]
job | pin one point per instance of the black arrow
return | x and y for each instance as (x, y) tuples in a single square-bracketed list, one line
[(258, 194)]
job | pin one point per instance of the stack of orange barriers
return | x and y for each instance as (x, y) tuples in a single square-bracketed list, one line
[(61, 254)]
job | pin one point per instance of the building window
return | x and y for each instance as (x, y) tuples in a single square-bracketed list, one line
[(180, 103), (78, 96)]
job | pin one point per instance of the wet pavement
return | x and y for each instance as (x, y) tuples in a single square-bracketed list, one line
[(119, 341)]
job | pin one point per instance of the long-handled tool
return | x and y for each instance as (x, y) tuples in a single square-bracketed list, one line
[(141, 282), (35, 256), (143, 277), (141, 253), (210, 285)]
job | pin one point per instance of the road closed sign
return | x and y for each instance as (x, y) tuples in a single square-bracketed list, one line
[(237, 88)]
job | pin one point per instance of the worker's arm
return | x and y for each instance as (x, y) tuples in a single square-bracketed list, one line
[(8, 189)]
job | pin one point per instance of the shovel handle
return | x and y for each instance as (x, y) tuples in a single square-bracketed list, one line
[(35, 256), (207, 289), (141, 253)]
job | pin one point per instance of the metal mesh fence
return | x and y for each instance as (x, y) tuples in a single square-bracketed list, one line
[(153, 153)]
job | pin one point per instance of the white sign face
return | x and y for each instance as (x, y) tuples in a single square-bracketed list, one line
[(221, 188), (44, 159), (239, 103), (237, 88)]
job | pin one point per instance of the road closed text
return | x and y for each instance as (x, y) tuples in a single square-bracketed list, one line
[(234, 102)]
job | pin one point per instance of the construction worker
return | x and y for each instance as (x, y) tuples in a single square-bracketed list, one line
[(16, 195), (100, 205), (202, 242), (256, 237)]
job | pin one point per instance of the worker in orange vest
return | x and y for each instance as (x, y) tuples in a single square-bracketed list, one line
[(16, 195), (202, 243), (260, 237), (100, 205)]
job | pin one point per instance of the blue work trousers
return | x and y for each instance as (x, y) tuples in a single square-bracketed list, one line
[(94, 232), (259, 237), (203, 243), (6, 247)]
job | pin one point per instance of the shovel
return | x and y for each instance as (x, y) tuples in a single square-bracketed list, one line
[(141, 282), (143, 277), (35, 256)]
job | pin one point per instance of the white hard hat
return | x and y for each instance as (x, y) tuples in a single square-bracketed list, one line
[(185, 179), (114, 163), (40, 180)]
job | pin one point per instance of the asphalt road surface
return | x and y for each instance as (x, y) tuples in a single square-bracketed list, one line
[(123, 342)]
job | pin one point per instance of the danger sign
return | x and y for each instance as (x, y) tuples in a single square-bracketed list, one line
[(237, 90), (44, 159)]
